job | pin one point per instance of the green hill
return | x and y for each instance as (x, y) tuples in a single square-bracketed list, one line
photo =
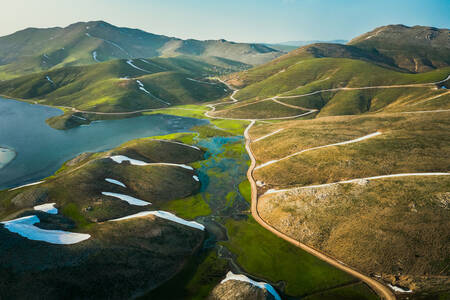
[(32, 49), (121, 85)]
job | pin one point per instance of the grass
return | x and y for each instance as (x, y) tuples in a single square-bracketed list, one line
[(188, 208), (266, 256), (408, 144), (99, 87), (404, 222), (245, 190), (358, 291), (299, 74)]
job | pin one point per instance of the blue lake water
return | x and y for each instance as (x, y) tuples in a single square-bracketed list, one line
[(41, 150)]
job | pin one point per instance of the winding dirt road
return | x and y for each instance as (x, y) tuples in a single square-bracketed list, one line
[(383, 291)]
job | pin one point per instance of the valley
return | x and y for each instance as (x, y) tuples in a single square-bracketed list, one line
[(317, 174)]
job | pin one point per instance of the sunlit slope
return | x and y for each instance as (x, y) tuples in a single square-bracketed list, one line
[(120, 85), (32, 50)]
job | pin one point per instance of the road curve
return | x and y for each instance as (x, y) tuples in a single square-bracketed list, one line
[(383, 291)]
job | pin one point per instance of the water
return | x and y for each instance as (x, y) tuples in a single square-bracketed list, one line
[(41, 150)]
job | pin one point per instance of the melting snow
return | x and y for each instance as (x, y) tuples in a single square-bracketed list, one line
[(25, 227), (78, 117), (49, 79), (142, 88), (94, 56), (129, 199), (48, 208), (164, 215), (29, 184), (113, 181), (120, 158), (399, 289), (196, 178), (130, 62), (261, 285)]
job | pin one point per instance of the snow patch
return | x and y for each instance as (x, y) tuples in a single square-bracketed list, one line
[(142, 88), (113, 181), (25, 228), (195, 178), (48, 208), (94, 56), (164, 215), (49, 79), (25, 185), (129, 199), (121, 158), (130, 62), (399, 289), (261, 285)]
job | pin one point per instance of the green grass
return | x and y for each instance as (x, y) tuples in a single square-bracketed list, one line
[(358, 291), (264, 255), (245, 190), (188, 208)]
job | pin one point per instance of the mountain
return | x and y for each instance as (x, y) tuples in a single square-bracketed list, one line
[(121, 85), (292, 45), (342, 72), (304, 43), (416, 49), (33, 50)]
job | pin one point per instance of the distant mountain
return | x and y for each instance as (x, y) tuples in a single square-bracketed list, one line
[(417, 48), (304, 43), (292, 45), (33, 50)]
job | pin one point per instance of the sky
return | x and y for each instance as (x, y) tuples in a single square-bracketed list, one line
[(234, 20)]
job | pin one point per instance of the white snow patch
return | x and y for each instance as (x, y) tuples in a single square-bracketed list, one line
[(29, 184), (113, 181), (87, 34), (164, 215), (94, 56), (78, 117), (195, 178), (48, 208), (130, 62), (25, 227), (121, 158), (46, 56), (49, 79), (129, 199), (178, 143), (261, 285), (142, 88), (398, 289)]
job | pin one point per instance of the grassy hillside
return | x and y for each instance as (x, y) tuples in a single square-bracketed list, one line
[(416, 48), (388, 216), (120, 85), (301, 74), (32, 49)]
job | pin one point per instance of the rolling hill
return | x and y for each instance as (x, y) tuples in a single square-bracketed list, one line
[(33, 49), (349, 79), (121, 85)]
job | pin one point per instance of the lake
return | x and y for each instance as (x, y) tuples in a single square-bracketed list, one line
[(41, 150)]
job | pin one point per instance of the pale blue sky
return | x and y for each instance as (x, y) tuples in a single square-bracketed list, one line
[(236, 20)]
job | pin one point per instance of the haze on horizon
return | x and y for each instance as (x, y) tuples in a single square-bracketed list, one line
[(240, 21)]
